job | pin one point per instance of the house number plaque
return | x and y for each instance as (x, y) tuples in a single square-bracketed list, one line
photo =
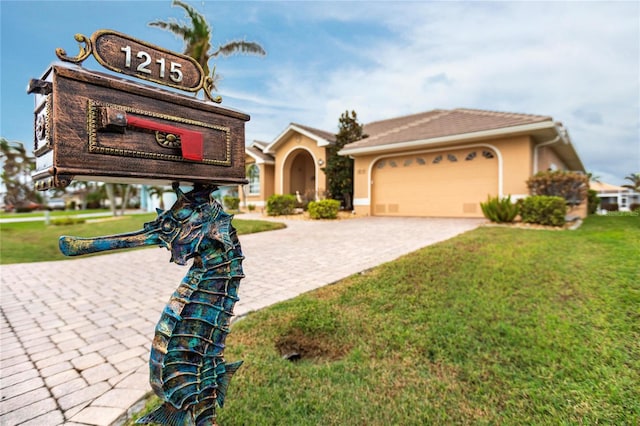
[(124, 54)]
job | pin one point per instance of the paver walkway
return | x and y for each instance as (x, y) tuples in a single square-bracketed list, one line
[(75, 335)]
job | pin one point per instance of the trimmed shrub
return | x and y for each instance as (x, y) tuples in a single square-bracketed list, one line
[(611, 207), (251, 207), (324, 209), (634, 207), (544, 210), (278, 205), (571, 186), (499, 210), (231, 202)]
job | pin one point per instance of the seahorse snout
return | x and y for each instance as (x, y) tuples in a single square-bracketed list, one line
[(76, 246)]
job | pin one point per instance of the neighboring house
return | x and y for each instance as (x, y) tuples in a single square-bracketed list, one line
[(615, 197), (436, 163)]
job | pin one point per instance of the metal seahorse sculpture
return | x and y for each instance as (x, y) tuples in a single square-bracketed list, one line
[(187, 367)]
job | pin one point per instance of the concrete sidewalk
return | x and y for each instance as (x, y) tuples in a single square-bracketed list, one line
[(76, 335)]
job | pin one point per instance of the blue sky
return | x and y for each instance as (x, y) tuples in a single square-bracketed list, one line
[(575, 61)]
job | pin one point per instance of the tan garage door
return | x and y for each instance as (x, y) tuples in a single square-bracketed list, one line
[(439, 184)]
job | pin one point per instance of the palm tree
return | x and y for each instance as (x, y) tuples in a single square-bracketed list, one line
[(17, 166), (197, 36), (158, 191), (593, 178), (634, 178)]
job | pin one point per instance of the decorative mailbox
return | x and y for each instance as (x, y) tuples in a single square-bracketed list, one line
[(95, 126)]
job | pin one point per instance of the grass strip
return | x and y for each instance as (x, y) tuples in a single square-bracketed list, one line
[(24, 242)]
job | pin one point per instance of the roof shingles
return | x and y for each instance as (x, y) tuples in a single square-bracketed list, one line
[(328, 136), (440, 123)]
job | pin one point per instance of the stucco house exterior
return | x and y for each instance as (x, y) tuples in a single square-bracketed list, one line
[(439, 163), (623, 198)]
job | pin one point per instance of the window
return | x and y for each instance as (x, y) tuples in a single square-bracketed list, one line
[(470, 156), (487, 154), (253, 174)]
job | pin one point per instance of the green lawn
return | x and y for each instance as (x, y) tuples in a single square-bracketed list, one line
[(496, 326), (23, 242), (54, 213)]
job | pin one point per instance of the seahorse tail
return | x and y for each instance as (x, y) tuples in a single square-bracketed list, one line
[(168, 415)]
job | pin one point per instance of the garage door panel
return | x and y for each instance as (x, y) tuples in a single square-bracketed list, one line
[(433, 184)]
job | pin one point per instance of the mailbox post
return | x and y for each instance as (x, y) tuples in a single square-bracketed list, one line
[(95, 126)]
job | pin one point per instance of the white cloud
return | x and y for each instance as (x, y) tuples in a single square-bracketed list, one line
[(575, 61)]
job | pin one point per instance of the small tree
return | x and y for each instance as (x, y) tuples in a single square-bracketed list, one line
[(339, 168)]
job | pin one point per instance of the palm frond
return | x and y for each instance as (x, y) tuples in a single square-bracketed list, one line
[(183, 31), (239, 46), (200, 27), (634, 178)]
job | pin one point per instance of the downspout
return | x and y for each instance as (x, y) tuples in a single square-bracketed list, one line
[(536, 150)]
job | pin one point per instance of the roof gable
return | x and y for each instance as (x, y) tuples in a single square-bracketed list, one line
[(321, 137), (256, 151)]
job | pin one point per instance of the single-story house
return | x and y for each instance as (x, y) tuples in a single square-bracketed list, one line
[(435, 163), (615, 197)]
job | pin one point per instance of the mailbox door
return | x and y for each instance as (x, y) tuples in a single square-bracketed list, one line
[(105, 128)]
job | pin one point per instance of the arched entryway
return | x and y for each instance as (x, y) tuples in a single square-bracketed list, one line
[(300, 173)]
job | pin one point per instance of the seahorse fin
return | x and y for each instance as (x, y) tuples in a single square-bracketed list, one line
[(223, 381), (167, 414)]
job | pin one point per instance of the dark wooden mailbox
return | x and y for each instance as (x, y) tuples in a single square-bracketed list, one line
[(95, 126)]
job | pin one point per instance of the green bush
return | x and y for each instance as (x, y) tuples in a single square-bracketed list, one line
[(278, 205), (499, 210), (543, 209), (231, 202), (324, 209), (593, 201), (251, 207), (572, 186)]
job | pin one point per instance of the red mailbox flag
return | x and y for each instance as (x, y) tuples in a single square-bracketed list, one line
[(191, 142)]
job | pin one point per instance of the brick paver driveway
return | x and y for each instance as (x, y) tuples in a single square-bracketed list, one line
[(76, 334)]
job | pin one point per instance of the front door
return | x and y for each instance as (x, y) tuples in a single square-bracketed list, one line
[(302, 173)]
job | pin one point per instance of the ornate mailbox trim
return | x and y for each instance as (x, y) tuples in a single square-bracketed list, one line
[(42, 127), (96, 147)]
